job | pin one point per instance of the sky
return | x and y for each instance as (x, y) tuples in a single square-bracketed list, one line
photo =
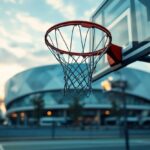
[(23, 24)]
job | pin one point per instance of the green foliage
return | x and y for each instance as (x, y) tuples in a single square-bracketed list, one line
[(116, 111), (38, 104), (76, 110)]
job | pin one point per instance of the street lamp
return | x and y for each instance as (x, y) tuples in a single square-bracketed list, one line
[(108, 85), (49, 113)]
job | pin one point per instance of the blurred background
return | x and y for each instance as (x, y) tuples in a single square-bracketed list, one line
[(32, 101)]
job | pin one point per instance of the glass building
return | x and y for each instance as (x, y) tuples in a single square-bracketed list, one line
[(98, 108)]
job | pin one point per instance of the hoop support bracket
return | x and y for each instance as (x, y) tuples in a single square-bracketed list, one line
[(114, 55)]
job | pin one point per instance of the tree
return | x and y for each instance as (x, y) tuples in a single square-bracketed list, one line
[(76, 110), (38, 104), (116, 110)]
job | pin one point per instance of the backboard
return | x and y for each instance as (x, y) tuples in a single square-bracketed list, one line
[(129, 23)]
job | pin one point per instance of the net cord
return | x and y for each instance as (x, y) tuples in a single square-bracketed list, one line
[(76, 76)]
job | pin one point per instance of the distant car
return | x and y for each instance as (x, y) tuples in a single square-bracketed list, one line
[(49, 121)]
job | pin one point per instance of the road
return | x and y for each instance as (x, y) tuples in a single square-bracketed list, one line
[(103, 144), (48, 133)]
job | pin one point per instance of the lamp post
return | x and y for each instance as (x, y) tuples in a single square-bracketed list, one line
[(123, 86), (49, 114), (108, 85)]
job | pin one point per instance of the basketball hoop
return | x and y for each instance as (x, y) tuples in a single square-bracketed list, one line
[(68, 43)]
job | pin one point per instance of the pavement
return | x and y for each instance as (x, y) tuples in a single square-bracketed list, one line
[(13, 134), (72, 139), (95, 144)]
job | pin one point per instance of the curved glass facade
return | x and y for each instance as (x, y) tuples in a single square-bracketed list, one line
[(52, 99), (47, 81), (50, 77)]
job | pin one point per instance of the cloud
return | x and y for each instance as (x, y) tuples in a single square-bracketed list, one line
[(29, 37), (36, 28), (33, 22), (19, 36), (13, 52), (88, 13), (32, 60), (7, 71), (13, 1), (66, 10), (6, 57), (6, 46)]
